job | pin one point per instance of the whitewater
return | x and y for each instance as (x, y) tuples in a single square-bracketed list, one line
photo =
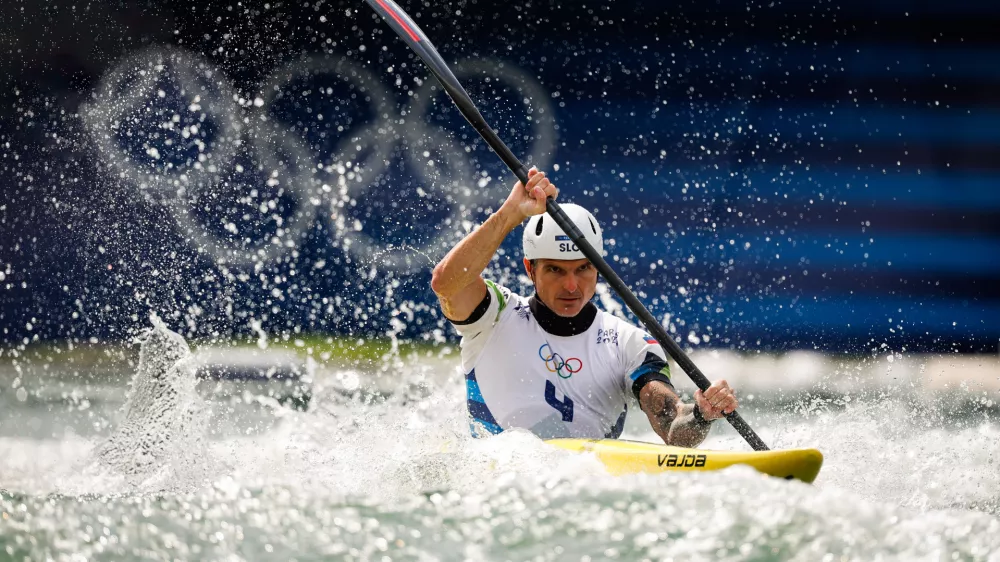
[(392, 474)]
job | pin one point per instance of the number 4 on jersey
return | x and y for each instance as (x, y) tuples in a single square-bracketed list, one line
[(565, 406)]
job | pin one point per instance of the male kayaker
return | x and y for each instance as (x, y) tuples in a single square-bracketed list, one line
[(554, 363)]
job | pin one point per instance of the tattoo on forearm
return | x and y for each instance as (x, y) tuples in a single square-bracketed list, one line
[(666, 413), (686, 431), (671, 420)]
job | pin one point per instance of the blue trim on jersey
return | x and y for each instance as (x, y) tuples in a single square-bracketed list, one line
[(642, 370), (476, 427), (480, 413), (619, 426), (478, 424), (472, 391)]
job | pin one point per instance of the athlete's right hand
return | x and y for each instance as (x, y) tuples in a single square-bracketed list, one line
[(529, 200)]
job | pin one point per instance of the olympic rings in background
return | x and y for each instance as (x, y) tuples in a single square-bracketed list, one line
[(556, 364), (186, 165), (188, 156)]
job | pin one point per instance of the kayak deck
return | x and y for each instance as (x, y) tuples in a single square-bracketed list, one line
[(626, 457)]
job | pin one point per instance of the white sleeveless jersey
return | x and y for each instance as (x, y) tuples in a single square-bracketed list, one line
[(571, 385)]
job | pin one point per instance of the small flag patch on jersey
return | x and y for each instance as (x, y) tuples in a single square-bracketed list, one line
[(649, 339), (562, 238)]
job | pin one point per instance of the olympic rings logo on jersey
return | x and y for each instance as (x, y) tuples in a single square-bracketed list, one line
[(171, 123), (556, 364)]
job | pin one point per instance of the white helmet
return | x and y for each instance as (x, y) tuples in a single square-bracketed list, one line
[(543, 239)]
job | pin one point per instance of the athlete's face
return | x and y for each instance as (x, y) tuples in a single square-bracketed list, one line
[(564, 286)]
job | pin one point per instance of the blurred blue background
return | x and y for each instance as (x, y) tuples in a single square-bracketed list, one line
[(791, 175)]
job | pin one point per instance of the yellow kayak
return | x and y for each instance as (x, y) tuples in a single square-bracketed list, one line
[(625, 457)]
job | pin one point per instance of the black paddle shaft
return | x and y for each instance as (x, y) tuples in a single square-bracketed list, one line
[(410, 32), (647, 319)]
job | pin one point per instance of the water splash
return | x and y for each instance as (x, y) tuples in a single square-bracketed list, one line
[(164, 421)]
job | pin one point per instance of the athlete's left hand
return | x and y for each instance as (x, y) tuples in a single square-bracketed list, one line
[(717, 401)]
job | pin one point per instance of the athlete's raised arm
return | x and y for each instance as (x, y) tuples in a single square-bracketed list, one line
[(457, 280)]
